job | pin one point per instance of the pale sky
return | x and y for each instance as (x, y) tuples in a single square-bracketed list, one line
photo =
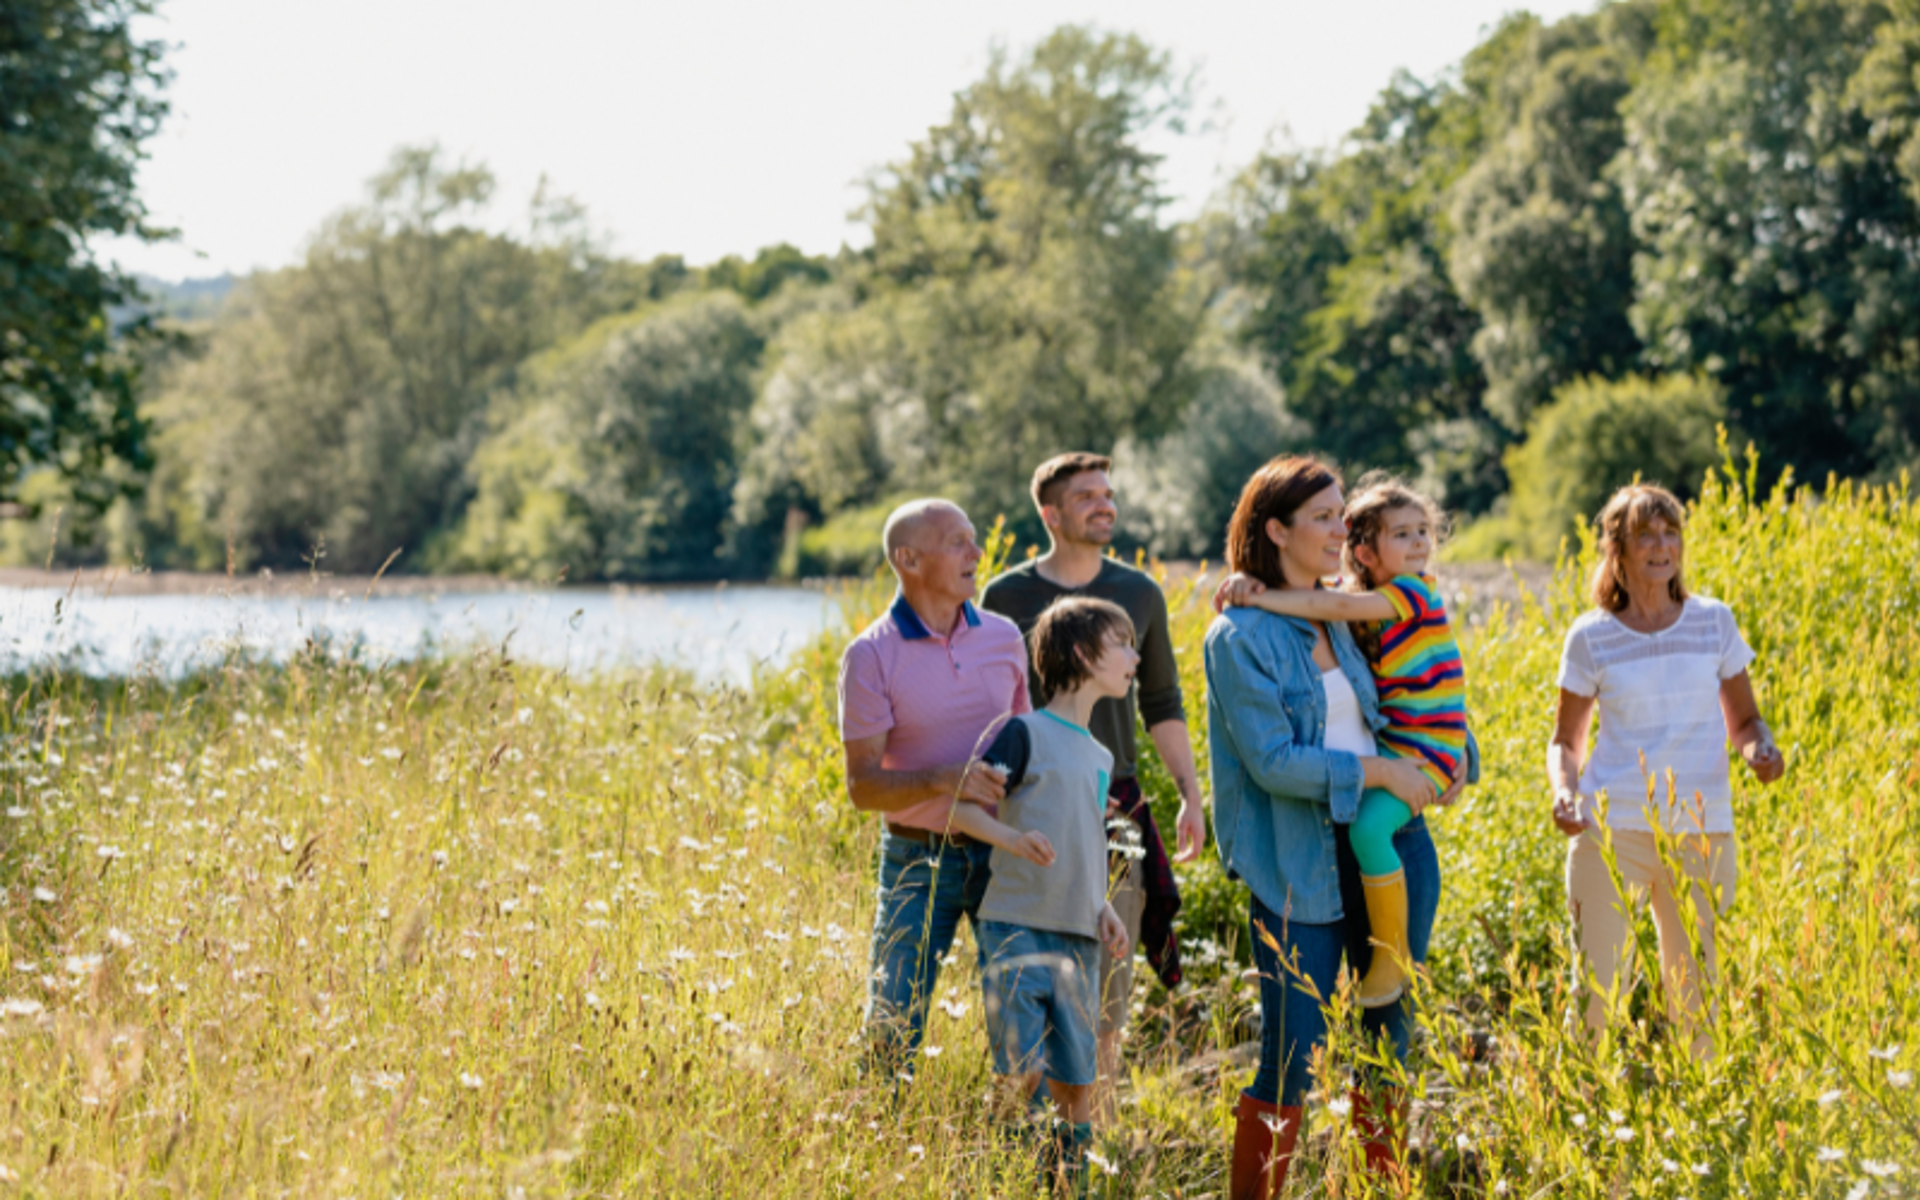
[(699, 129)]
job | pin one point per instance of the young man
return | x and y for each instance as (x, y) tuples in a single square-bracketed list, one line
[(1075, 499), (922, 691), (1046, 919)]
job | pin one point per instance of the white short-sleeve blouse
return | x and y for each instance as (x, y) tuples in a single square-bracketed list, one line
[(1659, 700)]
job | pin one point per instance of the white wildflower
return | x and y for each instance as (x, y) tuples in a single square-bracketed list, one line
[(44, 896), (1900, 1079), (1828, 1154), (471, 1082), (1887, 1055), (1878, 1169)]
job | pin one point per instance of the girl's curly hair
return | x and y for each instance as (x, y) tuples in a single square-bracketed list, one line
[(1380, 493)]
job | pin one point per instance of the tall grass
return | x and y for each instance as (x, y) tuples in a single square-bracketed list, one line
[(472, 927)]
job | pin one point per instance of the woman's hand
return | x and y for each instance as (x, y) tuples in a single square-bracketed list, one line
[(1566, 813), (1445, 799), (1408, 783), (1764, 759), (1236, 590)]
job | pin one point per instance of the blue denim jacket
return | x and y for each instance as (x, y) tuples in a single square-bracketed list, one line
[(1277, 793)]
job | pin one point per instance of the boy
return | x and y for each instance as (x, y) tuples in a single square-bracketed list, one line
[(1046, 911)]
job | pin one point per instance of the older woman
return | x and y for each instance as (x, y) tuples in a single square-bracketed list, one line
[(1668, 673), (1292, 713)]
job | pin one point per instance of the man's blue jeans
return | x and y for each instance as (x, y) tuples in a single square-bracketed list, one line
[(924, 891), (1292, 1021)]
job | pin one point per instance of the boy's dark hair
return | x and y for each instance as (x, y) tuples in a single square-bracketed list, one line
[(1069, 636), (1052, 475)]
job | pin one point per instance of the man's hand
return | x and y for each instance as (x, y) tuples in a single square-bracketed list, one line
[(1566, 813), (1236, 590), (1113, 932), (983, 783), (1190, 830), (1034, 847)]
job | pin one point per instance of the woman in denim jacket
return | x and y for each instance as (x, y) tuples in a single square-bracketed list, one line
[(1291, 714)]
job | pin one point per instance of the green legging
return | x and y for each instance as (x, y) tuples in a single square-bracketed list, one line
[(1381, 816)]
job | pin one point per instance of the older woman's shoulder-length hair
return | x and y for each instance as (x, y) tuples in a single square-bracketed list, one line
[(1276, 492), (1631, 510)]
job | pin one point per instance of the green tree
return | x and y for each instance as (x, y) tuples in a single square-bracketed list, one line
[(1352, 297), (1178, 491), (341, 400), (613, 457), (769, 269), (1022, 293), (79, 96), (1543, 250), (1775, 225)]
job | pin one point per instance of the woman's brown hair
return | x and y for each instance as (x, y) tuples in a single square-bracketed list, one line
[(1276, 492), (1631, 510)]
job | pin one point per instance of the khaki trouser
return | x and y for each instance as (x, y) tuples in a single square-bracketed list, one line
[(1710, 864)]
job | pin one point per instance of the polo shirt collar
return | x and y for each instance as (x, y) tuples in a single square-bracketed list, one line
[(913, 629)]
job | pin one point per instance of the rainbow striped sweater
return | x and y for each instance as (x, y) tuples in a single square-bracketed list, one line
[(1423, 687)]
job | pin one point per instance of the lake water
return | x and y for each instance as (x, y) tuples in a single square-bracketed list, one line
[(717, 632)]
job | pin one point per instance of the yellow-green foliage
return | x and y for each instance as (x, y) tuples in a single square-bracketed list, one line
[(475, 928)]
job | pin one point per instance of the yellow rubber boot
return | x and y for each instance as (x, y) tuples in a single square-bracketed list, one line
[(1386, 979)]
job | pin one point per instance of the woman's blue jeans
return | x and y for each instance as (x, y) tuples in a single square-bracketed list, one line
[(1293, 1022)]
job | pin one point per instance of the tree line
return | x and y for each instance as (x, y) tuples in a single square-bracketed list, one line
[(1576, 255)]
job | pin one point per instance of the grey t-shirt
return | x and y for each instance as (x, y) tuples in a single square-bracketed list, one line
[(1057, 777)]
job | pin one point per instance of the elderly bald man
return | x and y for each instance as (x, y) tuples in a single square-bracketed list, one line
[(922, 692)]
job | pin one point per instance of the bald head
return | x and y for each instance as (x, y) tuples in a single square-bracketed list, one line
[(930, 547), (914, 525)]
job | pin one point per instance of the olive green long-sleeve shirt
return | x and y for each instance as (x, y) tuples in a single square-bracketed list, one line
[(1022, 594)]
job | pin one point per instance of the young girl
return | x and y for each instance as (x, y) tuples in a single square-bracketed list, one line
[(1401, 624)]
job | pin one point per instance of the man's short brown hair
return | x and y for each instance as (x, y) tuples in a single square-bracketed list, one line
[(1069, 636), (1052, 475)]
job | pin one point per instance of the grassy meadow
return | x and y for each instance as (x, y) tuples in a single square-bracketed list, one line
[(470, 927)]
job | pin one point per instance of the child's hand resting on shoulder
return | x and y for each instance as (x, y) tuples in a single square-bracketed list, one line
[(1236, 591), (1034, 847)]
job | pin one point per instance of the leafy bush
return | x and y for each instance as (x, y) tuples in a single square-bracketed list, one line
[(847, 543), (1599, 435)]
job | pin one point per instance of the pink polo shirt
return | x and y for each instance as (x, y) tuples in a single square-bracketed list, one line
[(938, 699)]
